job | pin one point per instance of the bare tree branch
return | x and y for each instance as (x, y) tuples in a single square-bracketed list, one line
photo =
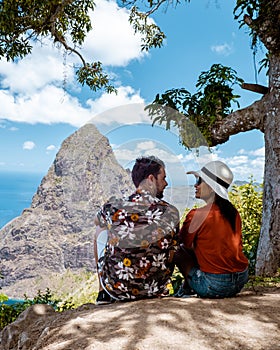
[(155, 8), (59, 37), (260, 89), (249, 118)]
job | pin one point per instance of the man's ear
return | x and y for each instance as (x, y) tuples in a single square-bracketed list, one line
[(151, 178)]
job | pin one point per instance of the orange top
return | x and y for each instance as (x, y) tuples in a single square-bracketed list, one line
[(217, 247)]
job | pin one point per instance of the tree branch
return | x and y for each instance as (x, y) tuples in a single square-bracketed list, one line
[(249, 118), (248, 20), (256, 88), (59, 37), (155, 8), (62, 41)]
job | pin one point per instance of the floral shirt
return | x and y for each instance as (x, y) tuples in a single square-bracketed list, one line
[(142, 238)]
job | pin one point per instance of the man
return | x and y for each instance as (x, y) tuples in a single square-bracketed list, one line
[(136, 238)]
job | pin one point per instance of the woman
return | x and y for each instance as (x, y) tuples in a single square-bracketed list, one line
[(210, 256)]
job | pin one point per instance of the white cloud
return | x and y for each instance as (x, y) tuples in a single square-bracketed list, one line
[(39, 97), (42, 67), (258, 163), (51, 148), (238, 160), (244, 167), (250, 163), (223, 49), (146, 145), (112, 40), (67, 109), (50, 105), (105, 112), (175, 167), (131, 150), (28, 145), (114, 45), (260, 152)]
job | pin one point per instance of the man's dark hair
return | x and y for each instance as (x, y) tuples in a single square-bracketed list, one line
[(144, 167)]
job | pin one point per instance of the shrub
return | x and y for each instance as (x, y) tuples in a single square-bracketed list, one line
[(248, 201), (9, 313), (68, 291)]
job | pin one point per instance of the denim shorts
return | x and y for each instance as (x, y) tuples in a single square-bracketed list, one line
[(212, 285)]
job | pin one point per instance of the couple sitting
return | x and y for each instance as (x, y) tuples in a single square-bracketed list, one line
[(138, 241)]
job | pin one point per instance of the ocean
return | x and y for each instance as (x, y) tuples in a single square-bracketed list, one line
[(16, 192), (12, 301)]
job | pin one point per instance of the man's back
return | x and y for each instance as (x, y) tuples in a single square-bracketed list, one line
[(137, 261)]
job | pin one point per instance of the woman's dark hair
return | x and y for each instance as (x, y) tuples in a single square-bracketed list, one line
[(227, 210), (144, 167)]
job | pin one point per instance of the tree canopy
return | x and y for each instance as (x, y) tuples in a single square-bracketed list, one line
[(212, 102), (66, 22)]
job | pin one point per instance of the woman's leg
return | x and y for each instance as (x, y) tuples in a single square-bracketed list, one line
[(185, 260)]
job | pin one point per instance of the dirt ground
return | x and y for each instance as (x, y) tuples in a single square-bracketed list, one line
[(249, 321)]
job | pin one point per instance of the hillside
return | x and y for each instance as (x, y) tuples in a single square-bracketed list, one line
[(55, 233)]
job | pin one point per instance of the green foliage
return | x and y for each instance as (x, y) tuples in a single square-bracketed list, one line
[(248, 201), (72, 290), (176, 280), (93, 76), (254, 14), (264, 64), (3, 297), (84, 291), (196, 113), (215, 90), (9, 313), (152, 35), (42, 298), (250, 8), (24, 21), (264, 281)]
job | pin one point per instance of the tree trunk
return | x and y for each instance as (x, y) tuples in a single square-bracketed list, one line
[(268, 255)]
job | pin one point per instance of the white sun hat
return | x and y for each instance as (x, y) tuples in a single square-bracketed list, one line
[(217, 175)]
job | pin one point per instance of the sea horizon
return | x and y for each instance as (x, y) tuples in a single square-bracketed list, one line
[(17, 189), (12, 301)]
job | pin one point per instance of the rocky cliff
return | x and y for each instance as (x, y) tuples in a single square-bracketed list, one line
[(56, 232)]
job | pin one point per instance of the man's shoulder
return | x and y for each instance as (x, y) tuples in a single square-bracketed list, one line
[(169, 205), (115, 201)]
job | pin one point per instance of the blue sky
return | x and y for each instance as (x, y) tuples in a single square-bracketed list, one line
[(41, 103)]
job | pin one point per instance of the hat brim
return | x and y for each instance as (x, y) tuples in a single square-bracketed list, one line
[(219, 189)]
